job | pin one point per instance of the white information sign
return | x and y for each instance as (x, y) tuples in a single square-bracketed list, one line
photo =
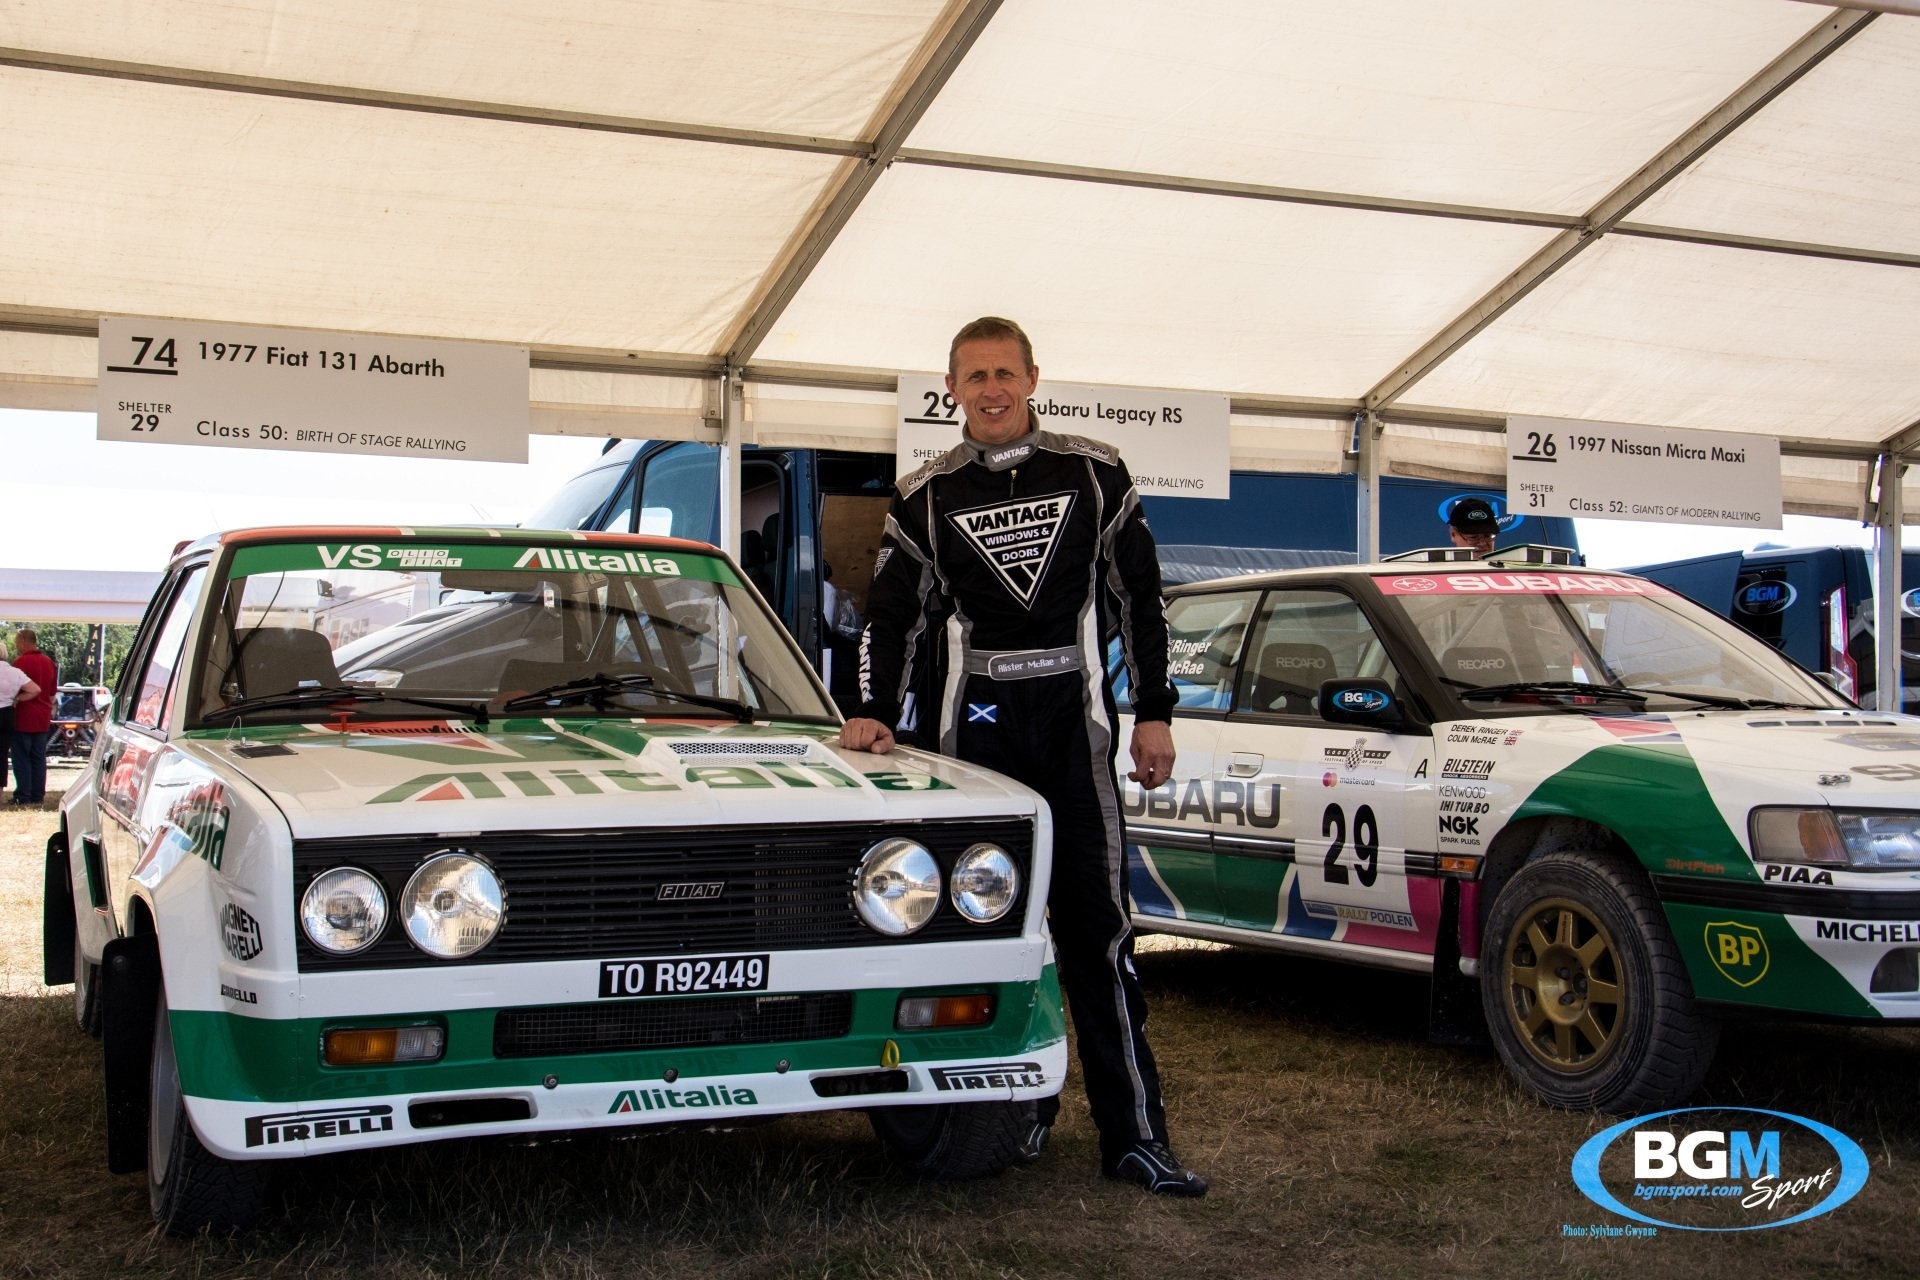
[(295, 390), (1616, 471), (1174, 443)]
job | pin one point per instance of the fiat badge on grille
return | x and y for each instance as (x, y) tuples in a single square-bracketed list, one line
[(691, 891)]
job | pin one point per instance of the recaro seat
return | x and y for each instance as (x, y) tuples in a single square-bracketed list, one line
[(1477, 666), (1287, 678), (282, 659)]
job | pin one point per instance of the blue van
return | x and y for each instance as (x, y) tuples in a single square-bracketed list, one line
[(1814, 604)]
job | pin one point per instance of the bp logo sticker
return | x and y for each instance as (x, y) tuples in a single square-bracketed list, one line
[(1717, 1169), (1738, 951)]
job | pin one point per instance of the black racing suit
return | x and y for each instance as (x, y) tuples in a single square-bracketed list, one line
[(1020, 560)]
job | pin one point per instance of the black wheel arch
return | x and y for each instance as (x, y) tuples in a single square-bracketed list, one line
[(56, 913), (129, 989), (1519, 843)]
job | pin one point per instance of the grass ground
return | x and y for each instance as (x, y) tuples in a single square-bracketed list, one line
[(1339, 1142)]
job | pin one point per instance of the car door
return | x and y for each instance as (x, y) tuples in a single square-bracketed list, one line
[(1314, 822), (1170, 828), (136, 731)]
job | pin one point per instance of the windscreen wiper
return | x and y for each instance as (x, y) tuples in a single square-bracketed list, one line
[(333, 693), (1568, 688), (1626, 693), (595, 690)]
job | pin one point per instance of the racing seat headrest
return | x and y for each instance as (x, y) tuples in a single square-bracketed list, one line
[(1288, 678), (1478, 665), (283, 659)]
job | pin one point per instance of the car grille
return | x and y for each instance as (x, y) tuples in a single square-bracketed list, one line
[(628, 1026), (597, 894)]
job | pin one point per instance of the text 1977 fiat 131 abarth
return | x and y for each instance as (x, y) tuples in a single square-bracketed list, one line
[(1614, 812), (395, 835)]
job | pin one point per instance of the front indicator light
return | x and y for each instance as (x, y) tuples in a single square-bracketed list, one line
[(452, 906), (897, 887), (918, 1013), (367, 1046), (1863, 840)]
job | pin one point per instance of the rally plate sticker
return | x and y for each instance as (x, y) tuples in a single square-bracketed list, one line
[(683, 975)]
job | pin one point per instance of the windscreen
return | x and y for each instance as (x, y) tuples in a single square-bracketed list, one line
[(1508, 633), (308, 631)]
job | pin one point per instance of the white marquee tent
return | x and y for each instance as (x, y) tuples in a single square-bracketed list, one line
[(746, 216)]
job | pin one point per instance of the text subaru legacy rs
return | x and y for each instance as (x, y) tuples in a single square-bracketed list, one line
[(1614, 811), (395, 835)]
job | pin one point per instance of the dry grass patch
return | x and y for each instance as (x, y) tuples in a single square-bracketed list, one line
[(1339, 1142)]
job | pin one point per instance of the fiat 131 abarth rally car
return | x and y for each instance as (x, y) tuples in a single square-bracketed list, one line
[(1613, 813), (395, 835)]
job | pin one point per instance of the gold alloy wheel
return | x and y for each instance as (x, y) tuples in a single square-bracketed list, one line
[(1564, 988)]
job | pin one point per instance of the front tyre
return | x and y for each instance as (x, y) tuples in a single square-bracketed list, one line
[(189, 1188), (1585, 992), (953, 1141)]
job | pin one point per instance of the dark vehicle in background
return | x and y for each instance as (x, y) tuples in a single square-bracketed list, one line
[(1814, 604), (76, 709), (805, 508)]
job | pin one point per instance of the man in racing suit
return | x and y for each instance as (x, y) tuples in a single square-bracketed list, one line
[(1017, 553)]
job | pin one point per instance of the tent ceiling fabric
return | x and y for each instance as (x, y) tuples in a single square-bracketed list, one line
[(1307, 207)]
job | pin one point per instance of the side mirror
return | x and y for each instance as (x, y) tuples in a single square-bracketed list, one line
[(1371, 703)]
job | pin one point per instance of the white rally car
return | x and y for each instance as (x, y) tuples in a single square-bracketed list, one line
[(1613, 813), (395, 835)]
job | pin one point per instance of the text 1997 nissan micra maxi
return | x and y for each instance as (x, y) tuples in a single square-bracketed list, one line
[(1615, 811), (395, 835)]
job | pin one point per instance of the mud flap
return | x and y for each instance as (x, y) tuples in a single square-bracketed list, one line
[(129, 984), (56, 915), (1454, 1012)]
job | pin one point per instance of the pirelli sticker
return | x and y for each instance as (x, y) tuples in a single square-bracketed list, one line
[(1017, 538)]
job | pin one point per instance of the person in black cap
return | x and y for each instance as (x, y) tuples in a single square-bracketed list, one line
[(1471, 523)]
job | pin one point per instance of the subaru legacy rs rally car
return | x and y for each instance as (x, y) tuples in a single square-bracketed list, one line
[(1614, 813), (394, 835)]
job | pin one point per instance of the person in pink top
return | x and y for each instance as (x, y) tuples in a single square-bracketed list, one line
[(32, 719)]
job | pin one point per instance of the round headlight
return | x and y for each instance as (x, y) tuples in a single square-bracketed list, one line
[(452, 905), (985, 883), (343, 911), (897, 887)]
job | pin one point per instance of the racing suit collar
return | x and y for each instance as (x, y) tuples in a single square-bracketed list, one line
[(999, 457)]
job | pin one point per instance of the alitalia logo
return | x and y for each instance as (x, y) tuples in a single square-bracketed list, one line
[(714, 1095), (1017, 538), (601, 561)]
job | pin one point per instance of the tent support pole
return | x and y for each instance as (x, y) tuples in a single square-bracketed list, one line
[(732, 431), (1886, 600), (1366, 450)]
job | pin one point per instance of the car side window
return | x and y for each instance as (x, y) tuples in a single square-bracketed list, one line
[(1301, 639), (680, 492), (159, 677), (1204, 637)]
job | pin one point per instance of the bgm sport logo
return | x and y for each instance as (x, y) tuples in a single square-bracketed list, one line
[(1716, 1169)]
